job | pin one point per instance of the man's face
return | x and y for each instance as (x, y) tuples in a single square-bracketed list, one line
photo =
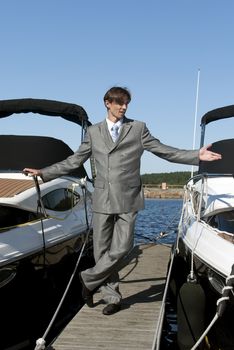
[(116, 110)]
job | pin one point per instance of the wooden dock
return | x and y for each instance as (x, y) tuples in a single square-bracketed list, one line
[(142, 285)]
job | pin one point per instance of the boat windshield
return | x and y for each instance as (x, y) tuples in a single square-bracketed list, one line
[(224, 221)]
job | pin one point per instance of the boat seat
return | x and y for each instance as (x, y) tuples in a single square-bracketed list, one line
[(224, 165)]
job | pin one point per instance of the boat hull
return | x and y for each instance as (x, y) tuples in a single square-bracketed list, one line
[(34, 293)]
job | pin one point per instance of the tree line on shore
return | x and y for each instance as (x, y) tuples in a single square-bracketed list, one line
[(173, 178)]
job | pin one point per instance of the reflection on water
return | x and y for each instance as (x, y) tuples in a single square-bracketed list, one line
[(159, 215)]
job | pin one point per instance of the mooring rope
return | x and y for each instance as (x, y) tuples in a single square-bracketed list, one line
[(40, 343), (158, 331)]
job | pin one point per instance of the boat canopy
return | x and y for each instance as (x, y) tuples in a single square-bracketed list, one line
[(38, 151), (218, 113), (69, 111)]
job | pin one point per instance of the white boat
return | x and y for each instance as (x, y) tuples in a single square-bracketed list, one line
[(205, 242), (42, 225)]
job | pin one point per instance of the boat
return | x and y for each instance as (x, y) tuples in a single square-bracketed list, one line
[(204, 250), (44, 227)]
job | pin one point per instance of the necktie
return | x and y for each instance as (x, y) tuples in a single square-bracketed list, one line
[(114, 132)]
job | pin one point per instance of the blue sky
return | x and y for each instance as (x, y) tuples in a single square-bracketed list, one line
[(73, 51)]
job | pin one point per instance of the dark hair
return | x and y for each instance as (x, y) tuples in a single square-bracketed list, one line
[(117, 94)]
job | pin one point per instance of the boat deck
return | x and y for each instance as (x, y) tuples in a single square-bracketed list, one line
[(11, 187), (142, 285)]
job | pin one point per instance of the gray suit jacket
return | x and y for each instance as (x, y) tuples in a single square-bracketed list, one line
[(118, 187)]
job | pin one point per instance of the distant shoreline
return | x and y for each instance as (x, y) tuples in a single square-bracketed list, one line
[(169, 193)]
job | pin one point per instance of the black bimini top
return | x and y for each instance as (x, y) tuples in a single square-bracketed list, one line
[(224, 147), (18, 152), (69, 111), (218, 113)]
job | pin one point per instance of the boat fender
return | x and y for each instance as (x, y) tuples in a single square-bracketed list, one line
[(190, 315), (40, 344), (222, 302)]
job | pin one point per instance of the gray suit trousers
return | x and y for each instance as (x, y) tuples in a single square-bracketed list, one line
[(113, 239)]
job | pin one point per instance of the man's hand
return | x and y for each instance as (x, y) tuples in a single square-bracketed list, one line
[(205, 154), (32, 172)]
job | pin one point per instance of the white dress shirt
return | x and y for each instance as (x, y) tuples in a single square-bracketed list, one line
[(110, 124)]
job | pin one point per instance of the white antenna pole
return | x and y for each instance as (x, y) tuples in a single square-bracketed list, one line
[(195, 116)]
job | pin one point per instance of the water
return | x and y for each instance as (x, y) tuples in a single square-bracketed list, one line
[(159, 215)]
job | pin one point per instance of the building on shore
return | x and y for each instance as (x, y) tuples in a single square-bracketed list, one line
[(163, 191)]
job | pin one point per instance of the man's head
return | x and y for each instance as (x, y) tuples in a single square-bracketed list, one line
[(117, 94), (116, 101)]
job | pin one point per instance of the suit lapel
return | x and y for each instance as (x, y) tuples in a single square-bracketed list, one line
[(124, 130), (106, 135)]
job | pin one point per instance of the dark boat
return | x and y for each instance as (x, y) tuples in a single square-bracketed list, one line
[(44, 228)]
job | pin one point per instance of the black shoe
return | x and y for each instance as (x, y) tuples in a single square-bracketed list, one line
[(111, 309), (87, 294)]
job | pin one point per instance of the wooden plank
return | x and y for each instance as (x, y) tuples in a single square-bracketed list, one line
[(142, 284)]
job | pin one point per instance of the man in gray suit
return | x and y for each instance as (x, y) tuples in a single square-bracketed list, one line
[(118, 193)]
